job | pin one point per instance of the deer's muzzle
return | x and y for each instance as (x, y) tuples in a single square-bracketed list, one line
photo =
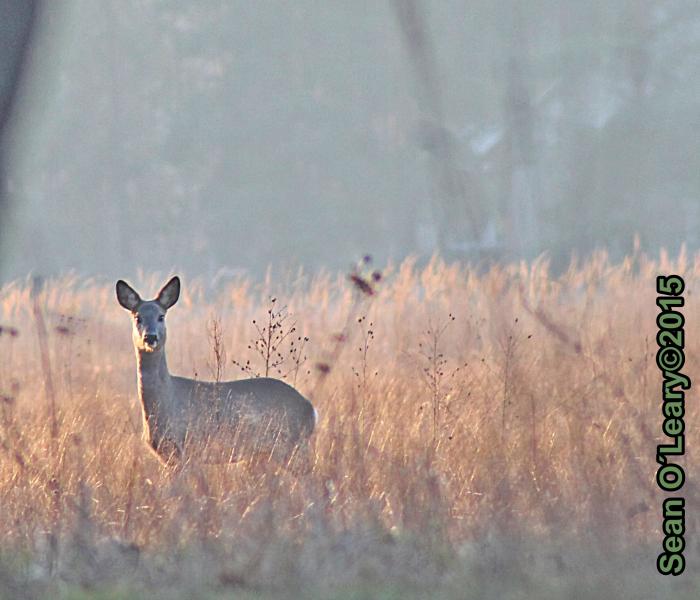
[(150, 339)]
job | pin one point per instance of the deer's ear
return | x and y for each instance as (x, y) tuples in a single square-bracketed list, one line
[(127, 296), (170, 293)]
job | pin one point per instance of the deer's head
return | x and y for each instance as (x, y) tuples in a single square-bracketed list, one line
[(149, 315)]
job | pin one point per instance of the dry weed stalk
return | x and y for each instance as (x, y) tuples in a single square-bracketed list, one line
[(435, 371), (218, 349), (274, 338), (362, 373)]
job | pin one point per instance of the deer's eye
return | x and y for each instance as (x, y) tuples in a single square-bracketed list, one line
[(161, 318), (138, 320)]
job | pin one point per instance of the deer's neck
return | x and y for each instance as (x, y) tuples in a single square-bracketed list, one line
[(155, 386)]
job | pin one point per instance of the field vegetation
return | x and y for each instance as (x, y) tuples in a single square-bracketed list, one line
[(483, 433)]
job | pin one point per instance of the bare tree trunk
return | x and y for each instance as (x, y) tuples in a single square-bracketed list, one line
[(521, 184), (457, 213), (19, 19), (577, 171)]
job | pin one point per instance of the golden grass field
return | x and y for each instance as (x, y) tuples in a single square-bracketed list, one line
[(482, 434)]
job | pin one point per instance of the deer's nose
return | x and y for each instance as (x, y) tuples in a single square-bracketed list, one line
[(151, 339)]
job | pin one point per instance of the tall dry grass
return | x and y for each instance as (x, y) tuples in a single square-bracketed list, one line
[(485, 432)]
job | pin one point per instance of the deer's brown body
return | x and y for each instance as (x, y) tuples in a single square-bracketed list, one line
[(211, 421)]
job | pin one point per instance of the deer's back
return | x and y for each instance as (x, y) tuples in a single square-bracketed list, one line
[(261, 407)]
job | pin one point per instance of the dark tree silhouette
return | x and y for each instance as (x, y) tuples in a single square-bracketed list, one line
[(18, 20)]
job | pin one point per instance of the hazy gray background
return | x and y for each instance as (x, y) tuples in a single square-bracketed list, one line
[(209, 134)]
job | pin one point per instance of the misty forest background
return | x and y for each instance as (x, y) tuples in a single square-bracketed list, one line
[(237, 134)]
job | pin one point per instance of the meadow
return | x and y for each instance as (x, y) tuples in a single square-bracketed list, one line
[(483, 433)]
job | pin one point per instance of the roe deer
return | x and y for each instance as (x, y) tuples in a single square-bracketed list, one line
[(213, 421)]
